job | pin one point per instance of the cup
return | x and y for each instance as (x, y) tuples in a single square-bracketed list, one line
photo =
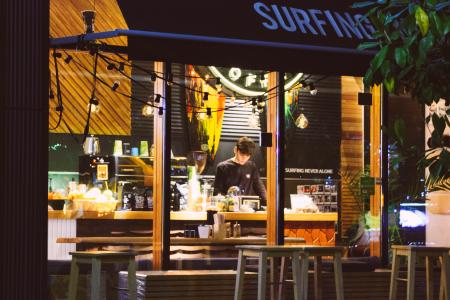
[(118, 148), (144, 148), (134, 151), (126, 148), (204, 231)]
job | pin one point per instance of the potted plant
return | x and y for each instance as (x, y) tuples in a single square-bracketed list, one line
[(412, 44)]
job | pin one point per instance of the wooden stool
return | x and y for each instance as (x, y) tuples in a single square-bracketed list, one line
[(318, 252), (96, 258), (412, 252), (264, 252)]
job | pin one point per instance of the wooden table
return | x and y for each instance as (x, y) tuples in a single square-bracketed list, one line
[(175, 241)]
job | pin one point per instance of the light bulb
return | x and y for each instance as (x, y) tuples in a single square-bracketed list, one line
[(301, 122), (95, 108), (232, 99), (253, 121), (201, 115), (313, 92), (147, 110)]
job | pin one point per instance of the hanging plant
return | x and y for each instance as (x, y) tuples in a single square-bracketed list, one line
[(412, 41)]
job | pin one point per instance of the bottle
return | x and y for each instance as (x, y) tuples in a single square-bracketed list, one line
[(237, 230), (71, 186)]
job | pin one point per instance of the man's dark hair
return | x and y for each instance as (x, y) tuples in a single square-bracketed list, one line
[(245, 145)]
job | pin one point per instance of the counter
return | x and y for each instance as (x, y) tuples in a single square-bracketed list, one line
[(189, 216)]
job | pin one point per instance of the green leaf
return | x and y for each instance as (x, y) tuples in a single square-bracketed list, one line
[(389, 83), (400, 56), (379, 58), (404, 72), (422, 20), (425, 44), (367, 45), (410, 40), (400, 130), (437, 23), (441, 6), (363, 4)]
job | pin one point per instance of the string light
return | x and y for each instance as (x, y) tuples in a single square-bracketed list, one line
[(94, 105), (301, 121), (115, 85), (254, 103), (261, 102), (157, 98), (312, 89), (169, 80), (205, 96), (218, 85), (51, 95), (121, 66), (147, 110), (233, 98), (68, 59), (201, 115), (153, 76), (160, 111), (208, 112), (111, 66)]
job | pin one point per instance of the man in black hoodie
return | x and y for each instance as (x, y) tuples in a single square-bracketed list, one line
[(240, 171)]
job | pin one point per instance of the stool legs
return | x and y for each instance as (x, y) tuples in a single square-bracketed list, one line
[(394, 275), (132, 279), (429, 276), (297, 276), (338, 276), (445, 270), (96, 279), (411, 276), (318, 278), (262, 275), (73, 283), (304, 272), (240, 273)]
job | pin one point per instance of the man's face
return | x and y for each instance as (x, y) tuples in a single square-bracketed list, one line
[(241, 158)]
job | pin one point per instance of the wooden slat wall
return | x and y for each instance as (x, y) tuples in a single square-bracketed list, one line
[(352, 159), (76, 82)]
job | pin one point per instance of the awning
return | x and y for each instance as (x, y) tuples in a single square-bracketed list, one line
[(308, 36)]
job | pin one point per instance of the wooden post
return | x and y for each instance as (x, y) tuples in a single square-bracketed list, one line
[(275, 162), (161, 133), (375, 166)]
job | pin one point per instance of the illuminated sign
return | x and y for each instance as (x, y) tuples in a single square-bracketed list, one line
[(248, 82)]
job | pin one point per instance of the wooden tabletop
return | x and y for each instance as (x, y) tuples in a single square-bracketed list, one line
[(102, 254), (175, 241)]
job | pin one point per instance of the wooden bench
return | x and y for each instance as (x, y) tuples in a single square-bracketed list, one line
[(188, 284)]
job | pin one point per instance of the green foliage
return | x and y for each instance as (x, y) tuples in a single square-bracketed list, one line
[(412, 40)]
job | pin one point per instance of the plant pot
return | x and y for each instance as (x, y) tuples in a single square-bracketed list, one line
[(439, 203)]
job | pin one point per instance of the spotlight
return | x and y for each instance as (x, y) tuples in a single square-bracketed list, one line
[(312, 89), (205, 96), (121, 67), (68, 59), (157, 98), (88, 19), (147, 110), (115, 85), (111, 66), (208, 112)]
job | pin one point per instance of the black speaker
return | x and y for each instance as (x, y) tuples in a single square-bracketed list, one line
[(364, 98), (265, 139)]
